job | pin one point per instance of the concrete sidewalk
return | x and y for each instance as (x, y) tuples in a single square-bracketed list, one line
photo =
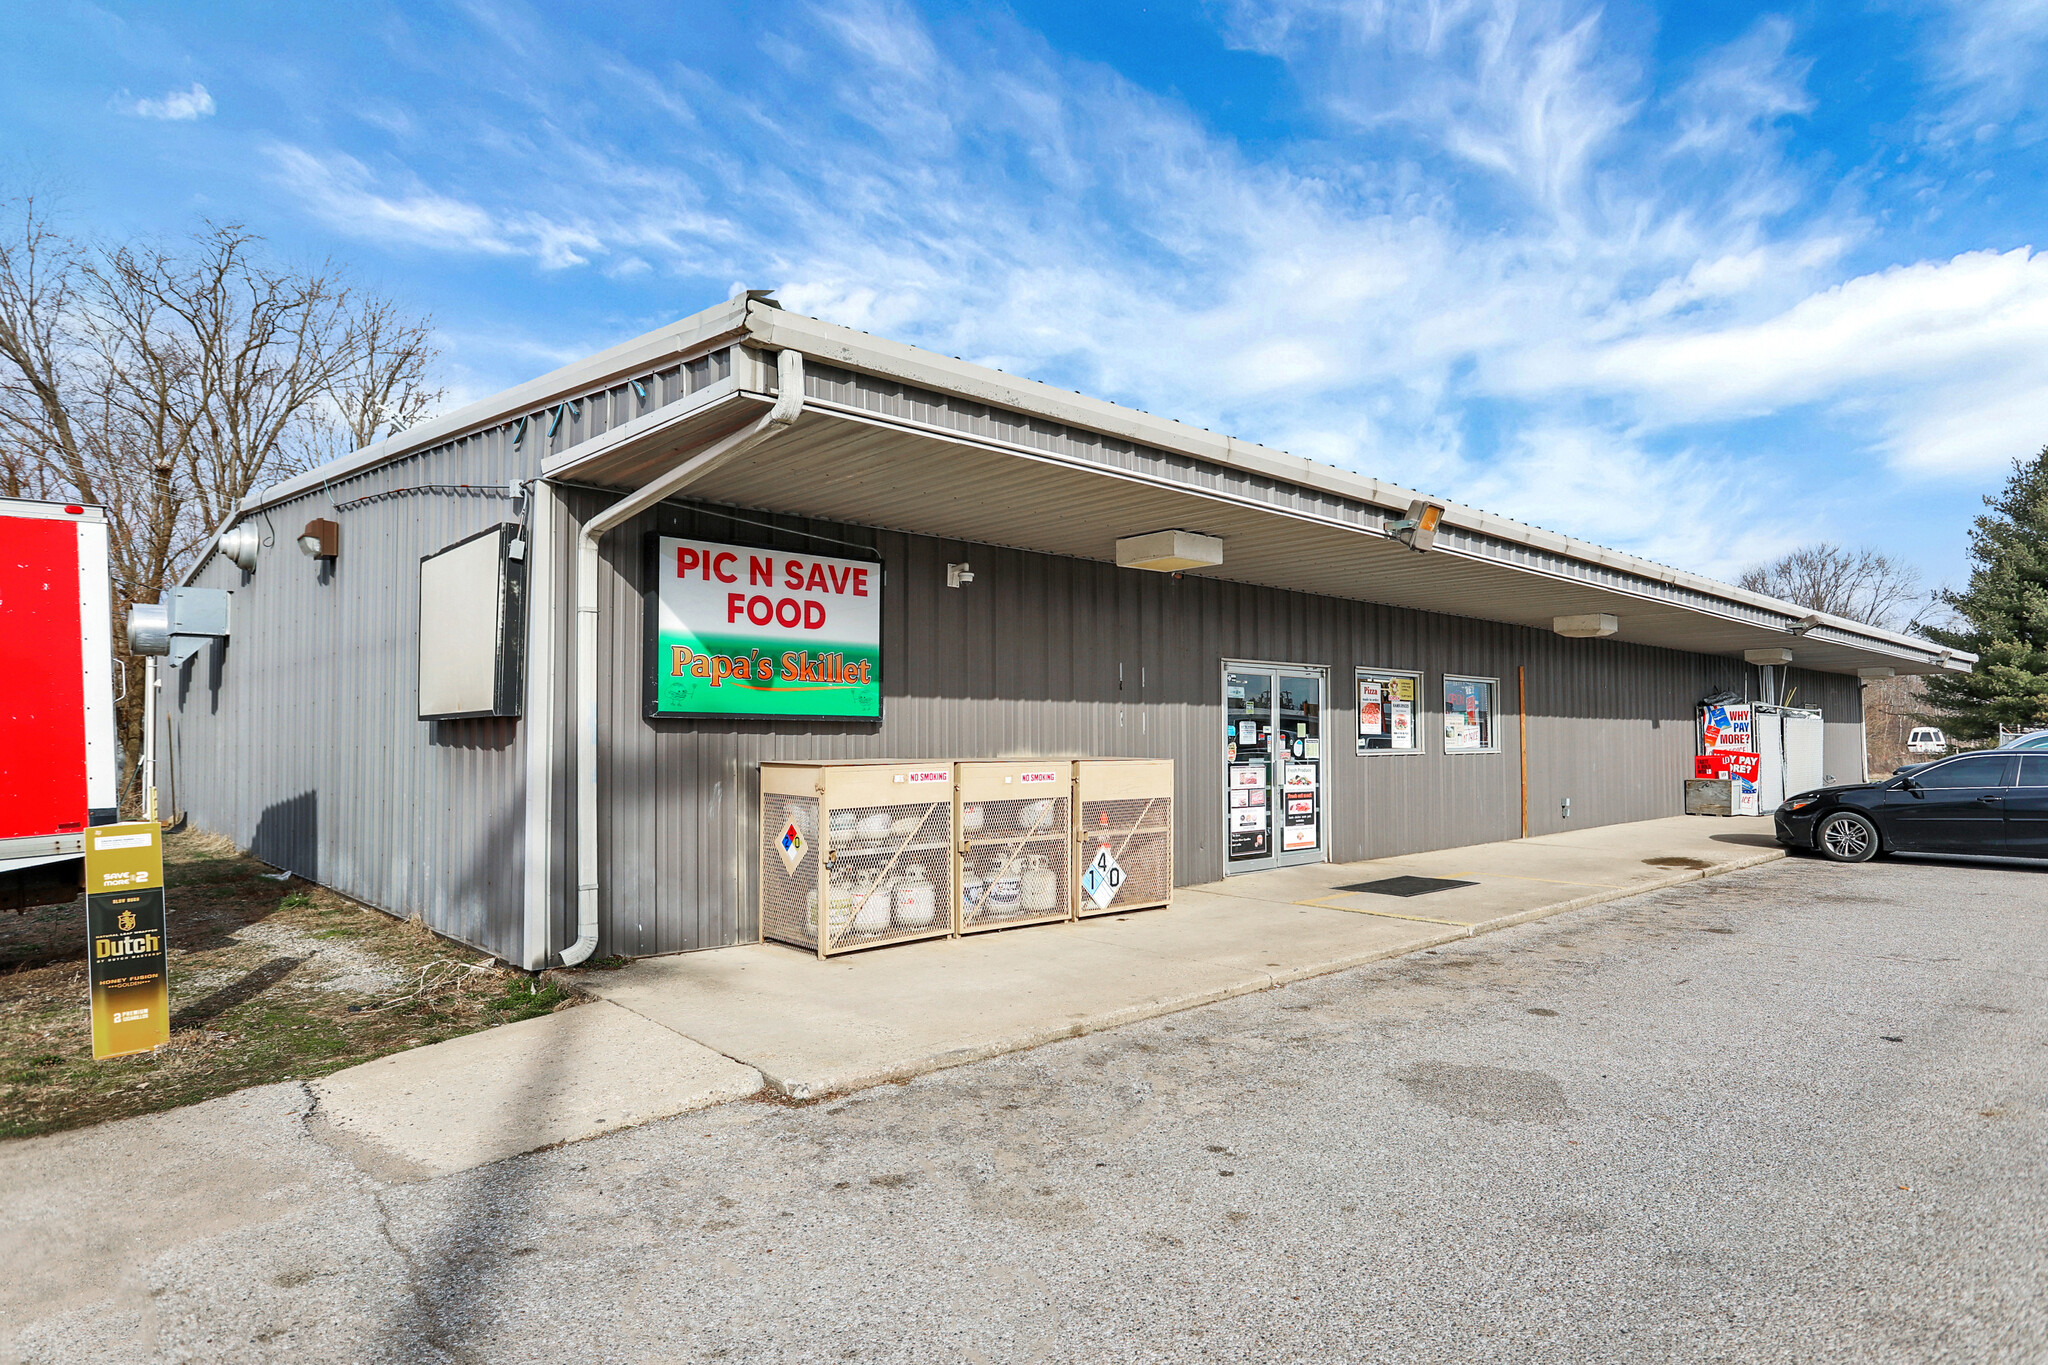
[(813, 1028), (675, 1034)]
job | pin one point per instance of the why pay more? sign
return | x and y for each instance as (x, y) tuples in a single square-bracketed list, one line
[(737, 631)]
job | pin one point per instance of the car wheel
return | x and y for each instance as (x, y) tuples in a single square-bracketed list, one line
[(1846, 838)]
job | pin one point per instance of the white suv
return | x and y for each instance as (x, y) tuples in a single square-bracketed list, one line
[(1925, 739)]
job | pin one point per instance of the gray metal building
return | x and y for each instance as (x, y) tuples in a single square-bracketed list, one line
[(300, 735)]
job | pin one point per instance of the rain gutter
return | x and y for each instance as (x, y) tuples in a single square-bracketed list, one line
[(789, 404)]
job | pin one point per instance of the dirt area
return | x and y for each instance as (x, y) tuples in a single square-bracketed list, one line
[(270, 981)]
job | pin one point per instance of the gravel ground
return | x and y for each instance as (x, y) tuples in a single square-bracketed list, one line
[(1791, 1114)]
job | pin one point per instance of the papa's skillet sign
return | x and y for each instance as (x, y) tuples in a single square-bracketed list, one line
[(733, 631)]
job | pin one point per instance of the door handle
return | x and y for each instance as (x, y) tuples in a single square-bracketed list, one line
[(1992, 800)]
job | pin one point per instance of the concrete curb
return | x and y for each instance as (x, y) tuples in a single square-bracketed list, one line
[(1691, 874)]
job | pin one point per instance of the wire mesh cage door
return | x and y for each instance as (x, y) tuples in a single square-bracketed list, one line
[(888, 864), (792, 863), (1123, 834), (1015, 850)]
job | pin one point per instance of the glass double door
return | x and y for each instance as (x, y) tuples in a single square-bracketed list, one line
[(1273, 797)]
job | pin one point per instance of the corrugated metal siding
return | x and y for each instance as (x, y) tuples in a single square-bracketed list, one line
[(1025, 662), (299, 739)]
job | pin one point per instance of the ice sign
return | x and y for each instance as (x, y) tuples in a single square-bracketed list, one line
[(1103, 879), (790, 843)]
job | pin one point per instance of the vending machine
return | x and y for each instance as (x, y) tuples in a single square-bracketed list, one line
[(1728, 752)]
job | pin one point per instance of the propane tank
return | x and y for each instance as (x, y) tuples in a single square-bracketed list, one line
[(916, 899)]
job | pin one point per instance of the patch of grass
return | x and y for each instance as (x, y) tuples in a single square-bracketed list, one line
[(527, 998), (270, 981)]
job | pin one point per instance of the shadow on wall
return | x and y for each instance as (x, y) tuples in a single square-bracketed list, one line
[(481, 734), (216, 667), (288, 836)]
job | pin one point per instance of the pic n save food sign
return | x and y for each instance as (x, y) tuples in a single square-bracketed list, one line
[(735, 631)]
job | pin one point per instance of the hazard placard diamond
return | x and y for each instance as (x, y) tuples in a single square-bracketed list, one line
[(791, 844)]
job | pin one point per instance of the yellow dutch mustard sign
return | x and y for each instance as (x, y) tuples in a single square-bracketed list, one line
[(127, 950)]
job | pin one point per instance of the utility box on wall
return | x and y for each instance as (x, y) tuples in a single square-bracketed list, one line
[(473, 626)]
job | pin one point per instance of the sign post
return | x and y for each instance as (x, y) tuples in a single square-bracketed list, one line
[(127, 948)]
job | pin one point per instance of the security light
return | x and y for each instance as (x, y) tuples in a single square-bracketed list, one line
[(1417, 530), (321, 539)]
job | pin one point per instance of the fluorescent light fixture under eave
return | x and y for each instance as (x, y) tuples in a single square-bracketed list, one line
[(1591, 627), (1169, 551)]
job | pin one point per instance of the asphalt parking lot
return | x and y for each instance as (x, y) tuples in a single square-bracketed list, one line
[(1793, 1113)]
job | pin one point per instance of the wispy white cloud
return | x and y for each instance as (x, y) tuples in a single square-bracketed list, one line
[(1511, 267), (1687, 508), (176, 106), (1921, 347), (1989, 55), (342, 191)]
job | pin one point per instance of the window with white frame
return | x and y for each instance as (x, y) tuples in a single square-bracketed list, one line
[(1469, 723), (1389, 711)]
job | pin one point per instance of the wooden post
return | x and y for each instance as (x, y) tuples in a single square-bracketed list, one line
[(1522, 737)]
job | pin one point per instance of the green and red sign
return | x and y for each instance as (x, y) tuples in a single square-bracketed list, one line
[(736, 631)]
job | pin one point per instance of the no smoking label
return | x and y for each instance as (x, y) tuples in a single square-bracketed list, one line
[(1103, 879)]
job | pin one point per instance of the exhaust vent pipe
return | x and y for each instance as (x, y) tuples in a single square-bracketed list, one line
[(238, 547)]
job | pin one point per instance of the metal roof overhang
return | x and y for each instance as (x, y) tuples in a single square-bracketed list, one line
[(846, 464)]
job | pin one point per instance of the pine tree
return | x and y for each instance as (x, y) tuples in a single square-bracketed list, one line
[(2004, 614)]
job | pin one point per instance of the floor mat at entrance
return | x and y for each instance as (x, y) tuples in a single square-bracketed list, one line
[(1405, 886)]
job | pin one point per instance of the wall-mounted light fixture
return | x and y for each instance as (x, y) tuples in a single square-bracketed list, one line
[(956, 574), (1417, 530), (321, 539), (1803, 624)]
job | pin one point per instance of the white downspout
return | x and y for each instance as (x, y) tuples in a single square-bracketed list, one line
[(150, 684), (789, 403)]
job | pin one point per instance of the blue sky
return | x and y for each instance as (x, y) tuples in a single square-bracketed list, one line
[(1703, 282)]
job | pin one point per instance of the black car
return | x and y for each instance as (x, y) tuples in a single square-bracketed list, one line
[(1986, 804)]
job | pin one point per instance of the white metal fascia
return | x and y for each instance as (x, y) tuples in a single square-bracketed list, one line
[(673, 342), (772, 328), (1919, 649), (648, 426)]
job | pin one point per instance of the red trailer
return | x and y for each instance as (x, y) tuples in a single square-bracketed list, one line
[(59, 766)]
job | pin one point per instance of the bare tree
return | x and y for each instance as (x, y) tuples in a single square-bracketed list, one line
[(1860, 585), (383, 389), (164, 383)]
